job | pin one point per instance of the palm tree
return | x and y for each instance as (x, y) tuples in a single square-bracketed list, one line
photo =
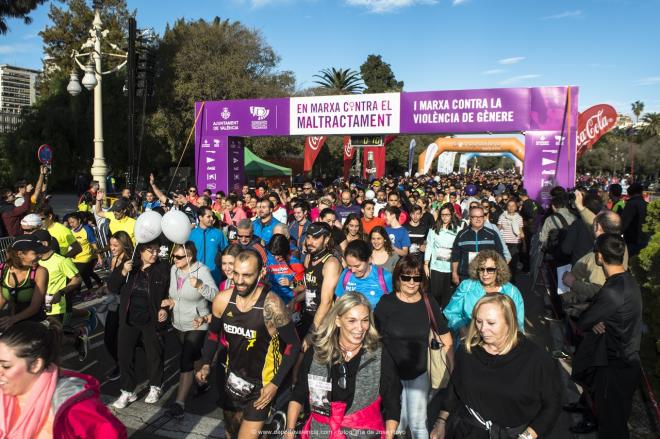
[(637, 109), (652, 125), (340, 81)]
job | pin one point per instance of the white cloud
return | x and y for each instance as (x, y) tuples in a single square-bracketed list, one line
[(381, 6), (512, 60), (458, 2), (11, 49), (650, 80), (493, 72), (565, 14), (519, 78)]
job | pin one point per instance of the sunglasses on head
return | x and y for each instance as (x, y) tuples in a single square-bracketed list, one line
[(490, 270), (408, 278), (178, 257)]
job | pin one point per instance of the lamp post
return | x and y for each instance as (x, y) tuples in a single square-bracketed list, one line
[(92, 79)]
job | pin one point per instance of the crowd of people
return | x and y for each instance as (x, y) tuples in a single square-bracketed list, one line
[(395, 306)]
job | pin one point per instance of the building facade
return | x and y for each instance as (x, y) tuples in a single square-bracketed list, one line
[(18, 90)]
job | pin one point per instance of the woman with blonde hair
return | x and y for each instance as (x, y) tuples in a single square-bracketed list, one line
[(350, 382), (503, 385), (489, 274)]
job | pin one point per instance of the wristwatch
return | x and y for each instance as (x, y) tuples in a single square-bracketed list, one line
[(525, 435)]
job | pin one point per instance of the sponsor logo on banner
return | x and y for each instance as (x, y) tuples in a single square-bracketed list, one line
[(315, 141), (348, 149), (225, 124), (260, 113), (593, 123), (377, 113), (226, 114)]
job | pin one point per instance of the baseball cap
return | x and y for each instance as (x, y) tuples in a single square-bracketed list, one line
[(42, 235), (319, 229), (522, 191), (120, 204), (31, 221), (28, 242)]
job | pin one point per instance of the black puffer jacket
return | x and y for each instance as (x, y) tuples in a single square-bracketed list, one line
[(158, 281)]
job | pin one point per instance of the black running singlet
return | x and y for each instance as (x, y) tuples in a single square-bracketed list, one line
[(252, 353), (313, 284)]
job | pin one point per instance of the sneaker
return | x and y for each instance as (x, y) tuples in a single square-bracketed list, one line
[(154, 395), (176, 411), (82, 344), (114, 374), (560, 355), (124, 399), (92, 320)]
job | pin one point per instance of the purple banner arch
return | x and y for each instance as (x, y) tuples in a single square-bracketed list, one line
[(547, 116)]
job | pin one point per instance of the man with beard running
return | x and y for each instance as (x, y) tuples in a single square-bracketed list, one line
[(322, 271), (261, 342)]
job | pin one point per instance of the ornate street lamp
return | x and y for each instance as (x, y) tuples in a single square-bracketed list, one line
[(92, 79)]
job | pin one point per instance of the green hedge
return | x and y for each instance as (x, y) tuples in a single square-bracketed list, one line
[(646, 269)]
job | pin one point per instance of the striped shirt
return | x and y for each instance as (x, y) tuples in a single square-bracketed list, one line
[(510, 226)]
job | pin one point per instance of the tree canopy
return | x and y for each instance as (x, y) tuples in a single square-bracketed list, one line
[(17, 9), (340, 81), (378, 76)]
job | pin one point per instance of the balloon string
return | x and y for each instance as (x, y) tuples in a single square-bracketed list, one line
[(185, 252), (132, 256)]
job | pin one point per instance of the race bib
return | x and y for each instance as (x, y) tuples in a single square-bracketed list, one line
[(309, 300), (319, 394), (238, 388), (443, 254), (471, 256)]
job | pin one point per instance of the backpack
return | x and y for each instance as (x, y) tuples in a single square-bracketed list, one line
[(381, 279), (556, 237)]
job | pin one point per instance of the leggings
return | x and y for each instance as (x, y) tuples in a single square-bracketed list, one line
[(441, 287), (111, 334), (191, 348), (86, 270)]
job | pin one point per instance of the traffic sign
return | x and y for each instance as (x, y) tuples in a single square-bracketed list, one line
[(45, 154)]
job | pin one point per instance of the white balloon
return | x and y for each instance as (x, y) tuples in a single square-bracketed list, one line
[(176, 226), (369, 194), (147, 227)]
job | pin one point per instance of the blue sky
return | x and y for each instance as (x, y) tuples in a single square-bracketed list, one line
[(609, 48)]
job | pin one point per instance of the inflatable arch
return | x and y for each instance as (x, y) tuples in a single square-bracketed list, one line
[(465, 158), (472, 144)]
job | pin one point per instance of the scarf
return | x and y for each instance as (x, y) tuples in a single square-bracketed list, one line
[(33, 415)]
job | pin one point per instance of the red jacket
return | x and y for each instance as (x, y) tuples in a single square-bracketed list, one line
[(12, 218), (79, 412)]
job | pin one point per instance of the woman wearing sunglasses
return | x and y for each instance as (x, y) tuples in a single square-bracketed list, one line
[(142, 285), (347, 377), (489, 274), (192, 288), (403, 321)]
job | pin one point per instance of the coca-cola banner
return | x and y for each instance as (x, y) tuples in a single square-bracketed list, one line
[(349, 153), (313, 145), (592, 124), (373, 164)]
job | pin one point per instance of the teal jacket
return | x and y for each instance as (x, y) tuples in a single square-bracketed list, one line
[(438, 249), (459, 309)]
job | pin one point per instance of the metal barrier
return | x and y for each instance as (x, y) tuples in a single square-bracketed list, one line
[(4, 245)]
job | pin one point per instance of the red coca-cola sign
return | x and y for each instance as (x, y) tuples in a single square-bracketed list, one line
[(593, 123)]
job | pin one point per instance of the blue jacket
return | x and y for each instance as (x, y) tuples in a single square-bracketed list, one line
[(264, 231), (209, 242), (459, 309)]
